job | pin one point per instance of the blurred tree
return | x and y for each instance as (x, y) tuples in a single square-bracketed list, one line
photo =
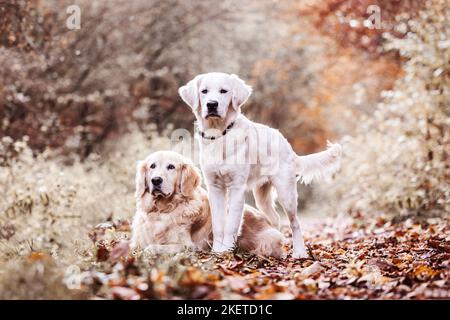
[(315, 65), (360, 23), (330, 67), (397, 162), (73, 88), (21, 25)]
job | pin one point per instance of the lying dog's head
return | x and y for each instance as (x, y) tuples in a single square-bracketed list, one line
[(210, 95), (164, 174)]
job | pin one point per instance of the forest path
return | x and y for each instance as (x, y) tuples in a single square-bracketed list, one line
[(349, 260)]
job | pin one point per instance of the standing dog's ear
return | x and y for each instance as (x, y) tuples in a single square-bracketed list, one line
[(241, 92), (189, 93), (190, 179), (141, 181)]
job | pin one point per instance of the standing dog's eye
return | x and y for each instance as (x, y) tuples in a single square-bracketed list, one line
[(223, 91), (205, 91), (170, 167), (153, 166)]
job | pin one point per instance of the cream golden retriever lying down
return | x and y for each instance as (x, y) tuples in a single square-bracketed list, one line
[(172, 211)]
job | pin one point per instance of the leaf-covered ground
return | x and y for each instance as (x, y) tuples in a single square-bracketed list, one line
[(349, 260)]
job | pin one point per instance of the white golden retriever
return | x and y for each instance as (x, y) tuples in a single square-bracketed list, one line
[(237, 154), (173, 212)]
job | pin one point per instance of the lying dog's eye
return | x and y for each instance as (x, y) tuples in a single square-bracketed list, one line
[(205, 91), (153, 166), (223, 91), (170, 167)]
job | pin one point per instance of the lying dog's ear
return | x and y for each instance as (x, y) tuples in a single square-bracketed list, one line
[(190, 179), (141, 181), (189, 93), (241, 92)]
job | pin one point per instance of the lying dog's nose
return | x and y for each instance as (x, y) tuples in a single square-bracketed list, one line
[(212, 106), (156, 181)]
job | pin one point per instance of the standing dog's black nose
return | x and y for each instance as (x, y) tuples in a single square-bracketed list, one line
[(212, 106), (156, 181)]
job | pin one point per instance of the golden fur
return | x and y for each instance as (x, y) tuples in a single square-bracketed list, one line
[(181, 217)]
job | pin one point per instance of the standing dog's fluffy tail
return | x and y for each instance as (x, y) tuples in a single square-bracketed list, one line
[(318, 165)]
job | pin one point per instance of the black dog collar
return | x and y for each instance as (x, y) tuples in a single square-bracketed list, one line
[(224, 132)]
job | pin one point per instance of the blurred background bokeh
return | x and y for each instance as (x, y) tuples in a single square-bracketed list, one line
[(314, 65), (79, 107)]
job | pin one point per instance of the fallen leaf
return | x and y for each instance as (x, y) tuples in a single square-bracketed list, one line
[(123, 293), (102, 253), (316, 267)]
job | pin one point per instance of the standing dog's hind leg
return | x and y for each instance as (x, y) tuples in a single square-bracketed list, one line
[(288, 201)]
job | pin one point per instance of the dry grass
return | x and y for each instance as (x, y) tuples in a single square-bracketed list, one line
[(48, 208)]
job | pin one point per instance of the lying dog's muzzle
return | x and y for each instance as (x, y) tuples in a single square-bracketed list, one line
[(157, 192)]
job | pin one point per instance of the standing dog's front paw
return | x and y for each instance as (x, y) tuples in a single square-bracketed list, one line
[(222, 247), (217, 246), (228, 245), (300, 254)]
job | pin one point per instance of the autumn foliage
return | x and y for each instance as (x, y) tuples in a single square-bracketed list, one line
[(78, 108), (399, 155)]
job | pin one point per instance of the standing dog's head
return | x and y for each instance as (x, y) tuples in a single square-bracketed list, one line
[(163, 175), (215, 95)]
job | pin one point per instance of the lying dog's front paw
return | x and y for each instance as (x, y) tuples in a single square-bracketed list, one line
[(156, 249), (120, 250)]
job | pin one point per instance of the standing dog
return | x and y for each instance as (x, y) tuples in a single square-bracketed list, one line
[(237, 154)]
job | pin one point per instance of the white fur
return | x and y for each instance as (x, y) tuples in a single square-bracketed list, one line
[(249, 156)]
